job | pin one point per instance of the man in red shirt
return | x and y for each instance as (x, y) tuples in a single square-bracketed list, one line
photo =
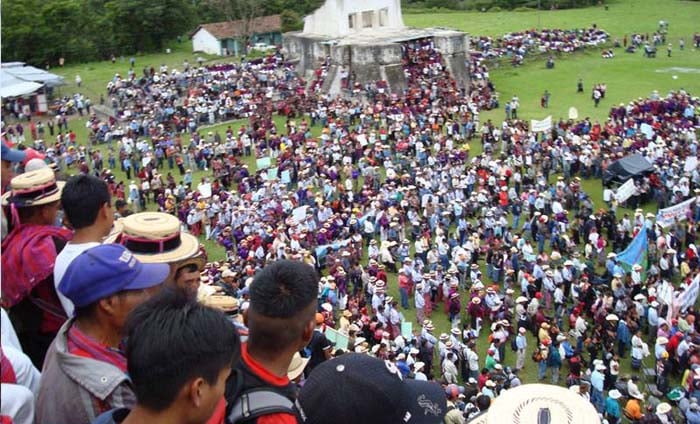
[(281, 321), (28, 255)]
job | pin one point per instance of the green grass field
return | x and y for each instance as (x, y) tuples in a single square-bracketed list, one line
[(627, 77), (622, 17)]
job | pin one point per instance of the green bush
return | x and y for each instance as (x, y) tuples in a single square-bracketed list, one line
[(496, 9)]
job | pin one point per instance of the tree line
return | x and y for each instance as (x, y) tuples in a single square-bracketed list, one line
[(42, 32)]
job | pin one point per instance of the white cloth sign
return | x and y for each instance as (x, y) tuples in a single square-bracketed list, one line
[(666, 217), (625, 191), (573, 113), (690, 164), (205, 190), (299, 214), (541, 126), (647, 130), (690, 295)]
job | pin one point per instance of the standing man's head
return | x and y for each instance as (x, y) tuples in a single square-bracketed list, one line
[(9, 156), (105, 283), (179, 355), (88, 205), (155, 237), (281, 316)]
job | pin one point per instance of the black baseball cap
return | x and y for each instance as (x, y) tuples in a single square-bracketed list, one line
[(357, 388)]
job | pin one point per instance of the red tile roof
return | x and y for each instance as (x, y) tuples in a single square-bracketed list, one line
[(233, 29)]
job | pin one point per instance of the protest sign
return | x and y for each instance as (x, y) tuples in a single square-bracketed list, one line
[(666, 217), (407, 330), (263, 163), (690, 295), (625, 191), (573, 113), (286, 177), (204, 190), (541, 126)]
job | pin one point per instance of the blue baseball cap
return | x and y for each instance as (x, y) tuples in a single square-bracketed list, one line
[(12, 155), (105, 270)]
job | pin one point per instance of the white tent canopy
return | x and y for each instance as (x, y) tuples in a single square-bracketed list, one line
[(20, 89), (16, 79)]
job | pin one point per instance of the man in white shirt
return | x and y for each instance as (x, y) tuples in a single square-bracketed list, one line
[(88, 211)]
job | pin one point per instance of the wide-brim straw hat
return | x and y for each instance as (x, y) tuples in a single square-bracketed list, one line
[(34, 188), (155, 237), (222, 303), (296, 367), (524, 404)]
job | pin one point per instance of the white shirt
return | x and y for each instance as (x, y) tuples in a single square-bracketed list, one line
[(63, 260)]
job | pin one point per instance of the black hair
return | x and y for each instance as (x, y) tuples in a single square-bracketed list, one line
[(173, 339), (282, 303), (283, 289), (186, 268), (483, 402), (82, 198)]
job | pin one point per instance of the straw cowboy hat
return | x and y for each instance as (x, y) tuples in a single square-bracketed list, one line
[(33, 188), (296, 367), (155, 237)]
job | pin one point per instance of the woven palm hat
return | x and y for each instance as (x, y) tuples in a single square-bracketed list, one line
[(296, 367), (34, 188), (222, 303), (529, 403), (155, 237)]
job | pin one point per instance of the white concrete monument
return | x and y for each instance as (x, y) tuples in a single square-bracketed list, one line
[(339, 18)]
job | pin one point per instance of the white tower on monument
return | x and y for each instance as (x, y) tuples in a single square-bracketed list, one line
[(339, 18)]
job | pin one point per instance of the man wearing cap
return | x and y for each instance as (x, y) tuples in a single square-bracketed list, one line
[(612, 407), (28, 255), (319, 347), (156, 237), (453, 415), (356, 388), (85, 370), (597, 384), (653, 319)]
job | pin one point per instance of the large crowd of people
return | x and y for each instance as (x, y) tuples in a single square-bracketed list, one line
[(517, 45), (505, 245)]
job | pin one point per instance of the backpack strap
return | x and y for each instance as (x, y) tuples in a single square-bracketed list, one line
[(258, 402)]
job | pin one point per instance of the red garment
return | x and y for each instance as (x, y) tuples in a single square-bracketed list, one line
[(80, 344), (271, 379), (28, 257), (219, 413), (7, 373), (405, 282)]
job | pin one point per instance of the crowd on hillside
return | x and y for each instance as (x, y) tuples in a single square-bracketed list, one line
[(517, 45), (507, 244)]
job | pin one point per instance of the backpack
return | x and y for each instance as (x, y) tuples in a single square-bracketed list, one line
[(514, 345), (252, 400), (255, 403)]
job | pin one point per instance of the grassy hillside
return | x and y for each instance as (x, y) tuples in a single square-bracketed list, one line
[(622, 17)]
